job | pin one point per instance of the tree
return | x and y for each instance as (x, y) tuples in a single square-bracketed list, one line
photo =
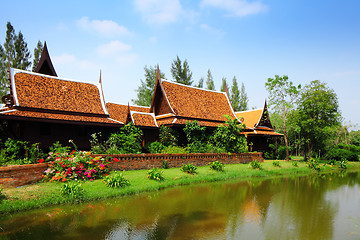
[(37, 54), (235, 95), (181, 71), (201, 83), (145, 91), (318, 113), (210, 85), (244, 100), (15, 53), (223, 84), (282, 98)]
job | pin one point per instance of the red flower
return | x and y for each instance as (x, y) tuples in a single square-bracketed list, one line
[(41, 161), (116, 160)]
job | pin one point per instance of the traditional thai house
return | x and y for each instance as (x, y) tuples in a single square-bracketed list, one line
[(45, 109), (259, 128)]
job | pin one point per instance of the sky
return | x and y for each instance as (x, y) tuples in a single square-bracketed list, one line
[(251, 40)]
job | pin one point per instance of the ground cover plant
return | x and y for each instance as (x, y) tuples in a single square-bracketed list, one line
[(72, 190), (116, 180), (276, 163), (255, 165), (189, 168), (45, 193), (217, 166), (155, 174)]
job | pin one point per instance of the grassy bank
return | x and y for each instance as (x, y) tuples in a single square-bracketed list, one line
[(47, 194)]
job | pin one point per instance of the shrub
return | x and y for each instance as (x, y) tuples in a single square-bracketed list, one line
[(255, 165), (228, 137), (165, 164), (156, 147), (199, 147), (295, 164), (276, 164), (339, 153), (73, 190), (75, 166), (116, 180), (128, 140), (155, 174), (194, 132), (167, 136), (332, 162), (216, 166), (97, 144), (281, 153), (2, 195), (342, 164), (313, 163), (189, 168), (174, 149)]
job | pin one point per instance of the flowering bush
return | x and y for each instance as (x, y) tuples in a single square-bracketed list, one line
[(75, 166)]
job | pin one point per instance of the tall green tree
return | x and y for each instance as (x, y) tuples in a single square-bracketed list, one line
[(318, 112), (283, 96), (201, 83), (181, 71), (37, 54), (243, 100), (210, 85), (15, 53), (146, 89), (235, 95), (223, 84)]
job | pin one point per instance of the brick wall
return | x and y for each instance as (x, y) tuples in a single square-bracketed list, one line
[(147, 161), (14, 176), (18, 175)]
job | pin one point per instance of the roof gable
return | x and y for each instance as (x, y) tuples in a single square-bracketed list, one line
[(32, 90), (190, 102), (255, 118), (45, 65), (120, 112)]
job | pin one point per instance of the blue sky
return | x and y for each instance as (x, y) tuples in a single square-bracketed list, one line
[(252, 40)]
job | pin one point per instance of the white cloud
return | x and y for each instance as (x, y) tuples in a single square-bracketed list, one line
[(236, 8), (113, 47), (106, 28), (159, 11), (212, 30), (66, 60)]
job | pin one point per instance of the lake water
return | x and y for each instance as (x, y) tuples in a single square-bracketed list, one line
[(313, 207)]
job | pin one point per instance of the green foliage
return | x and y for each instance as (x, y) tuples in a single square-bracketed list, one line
[(244, 100), (223, 84), (210, 85), (332, 162), (20, 152), (145, 91), (72, 190), (355, 138), (127, 140), (235, 95), (167, 136), (201, 83), (189, 168), (276, 164), (174, 149), (217, 166), (2, 195), (281, 153), (165, 164), (295, 164), (181, 71), (342, 164), (194, 132), (37, 54), (255, 165), (313, 163), (155, 174), (199, 147), (343, 152), (228, 137), (156, 147), (318, 112), (97, 144), (116, 180)]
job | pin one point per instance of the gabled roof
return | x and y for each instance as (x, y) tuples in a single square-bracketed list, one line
[(190, 103), (250, 118), (39, 97), (37, 91), (120, 112), (143, 119), (45, 65)]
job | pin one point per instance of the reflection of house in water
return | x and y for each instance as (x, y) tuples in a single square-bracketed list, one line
[(42, 107)]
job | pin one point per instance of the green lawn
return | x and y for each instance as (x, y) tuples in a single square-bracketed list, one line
[(46, 194)]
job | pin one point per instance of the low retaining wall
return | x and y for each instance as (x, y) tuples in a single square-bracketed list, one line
[(18, 175), (147, 161)]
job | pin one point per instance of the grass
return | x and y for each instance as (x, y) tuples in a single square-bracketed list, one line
[(46, 194)]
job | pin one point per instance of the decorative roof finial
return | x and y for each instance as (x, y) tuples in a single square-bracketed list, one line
[(45, 65)]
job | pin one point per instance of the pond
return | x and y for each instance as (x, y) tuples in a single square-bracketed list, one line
[(313, 207)]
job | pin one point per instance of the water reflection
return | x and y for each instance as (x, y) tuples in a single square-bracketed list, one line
[(314, 207)]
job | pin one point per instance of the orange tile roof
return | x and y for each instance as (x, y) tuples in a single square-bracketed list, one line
[(39, 91), (250, 118), (120, 112), (143, 119), (196, 103), (41, 115), (256, 132)]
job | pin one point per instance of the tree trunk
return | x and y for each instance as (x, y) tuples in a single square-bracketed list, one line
[(285, 137)]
